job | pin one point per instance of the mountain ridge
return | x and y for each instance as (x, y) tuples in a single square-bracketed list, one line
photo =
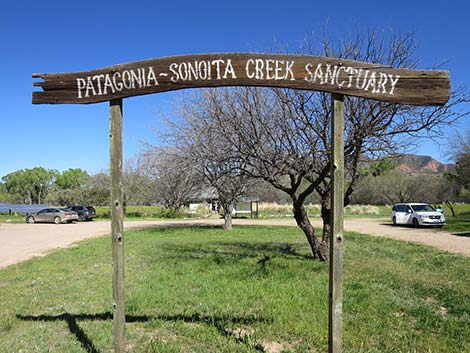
[(413, 163)]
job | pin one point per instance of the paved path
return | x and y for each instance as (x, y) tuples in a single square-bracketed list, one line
[(23, 241)]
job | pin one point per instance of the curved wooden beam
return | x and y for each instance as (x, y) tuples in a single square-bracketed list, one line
[(347, 77)]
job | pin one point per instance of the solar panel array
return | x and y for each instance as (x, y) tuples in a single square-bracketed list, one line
[(7, 208)]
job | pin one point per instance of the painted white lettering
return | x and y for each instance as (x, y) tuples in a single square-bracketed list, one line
[(116, 81), (151, 77), (340, 83), (217, 64), (137, 78), (97, 79), (289, 72), (259, 69), (173, 68), (393, 83), (382, 81), (270, 64), (318, 74), (278, 70), (108, 83), (364, 80), (229, 70), (183, 71), (371, 82), (309, 77), (81, 84), (352, 72), (249, 73), (192, 71), (330, 74), (126, 76), (204, 70), (89, 86)]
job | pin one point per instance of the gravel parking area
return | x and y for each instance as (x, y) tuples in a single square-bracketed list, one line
[(23, 241)]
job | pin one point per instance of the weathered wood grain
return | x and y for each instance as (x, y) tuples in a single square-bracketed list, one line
[(335, 303), (374, 81), (117, 225)]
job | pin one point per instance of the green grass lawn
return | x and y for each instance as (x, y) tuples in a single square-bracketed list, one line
[(193, 289)]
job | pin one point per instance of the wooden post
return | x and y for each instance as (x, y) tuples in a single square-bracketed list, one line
[(117, 227), (335, 308)]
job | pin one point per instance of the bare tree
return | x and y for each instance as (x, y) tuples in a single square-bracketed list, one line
[(175, 181), (139, 188), (283, 136), (373, 128), (199, 144), (459, 148)]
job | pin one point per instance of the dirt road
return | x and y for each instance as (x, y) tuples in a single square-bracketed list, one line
[(23, 241)]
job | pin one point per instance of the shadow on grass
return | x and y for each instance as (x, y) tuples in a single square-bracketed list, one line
[(219, 322), (237, 251), (462, 234)]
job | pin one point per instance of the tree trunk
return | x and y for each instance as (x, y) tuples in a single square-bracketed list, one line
[(326, 216), (228, 208), (301, 217), (451, 207)]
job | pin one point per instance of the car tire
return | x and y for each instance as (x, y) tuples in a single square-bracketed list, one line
[(415, 223), (30, 220), (57, 220), (394, 220), (81, 218)]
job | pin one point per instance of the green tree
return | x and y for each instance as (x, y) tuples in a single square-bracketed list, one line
[(4, 197), (462, 169), (30, 185), (97, 190), (71, 179), (69, 187)]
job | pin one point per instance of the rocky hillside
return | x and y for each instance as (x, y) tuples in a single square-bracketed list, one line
[(412, 163)]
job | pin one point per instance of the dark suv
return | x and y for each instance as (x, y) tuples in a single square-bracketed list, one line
[(85, 213)]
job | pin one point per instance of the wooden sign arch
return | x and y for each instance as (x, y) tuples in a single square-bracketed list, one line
[(337, 76), (340, 76)]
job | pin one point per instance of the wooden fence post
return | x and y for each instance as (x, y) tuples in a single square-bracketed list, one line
[(117, 227), (335, 307)]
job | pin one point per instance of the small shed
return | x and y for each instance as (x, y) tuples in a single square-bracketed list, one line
[(208, 196), (247, 205)]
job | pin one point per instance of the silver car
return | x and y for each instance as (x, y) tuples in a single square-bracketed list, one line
[(53, 215)]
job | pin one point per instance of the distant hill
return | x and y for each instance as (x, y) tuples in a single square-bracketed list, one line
[(412, 163)]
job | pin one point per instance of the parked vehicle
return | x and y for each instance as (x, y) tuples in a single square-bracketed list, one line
[(417, 214), (85, 213), (52, 215)]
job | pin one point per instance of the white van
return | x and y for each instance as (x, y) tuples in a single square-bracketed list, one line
[(417, 214)]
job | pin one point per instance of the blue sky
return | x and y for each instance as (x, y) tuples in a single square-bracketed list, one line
[(62, 36)]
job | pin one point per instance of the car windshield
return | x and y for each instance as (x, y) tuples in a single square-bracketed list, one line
[(423, 208)]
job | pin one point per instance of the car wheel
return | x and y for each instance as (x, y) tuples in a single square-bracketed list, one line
[(80, 218), (415, 223), (30, 219), (57, 220), (394, 220)]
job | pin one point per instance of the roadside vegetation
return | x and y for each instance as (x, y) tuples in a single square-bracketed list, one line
[(201, 290)]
